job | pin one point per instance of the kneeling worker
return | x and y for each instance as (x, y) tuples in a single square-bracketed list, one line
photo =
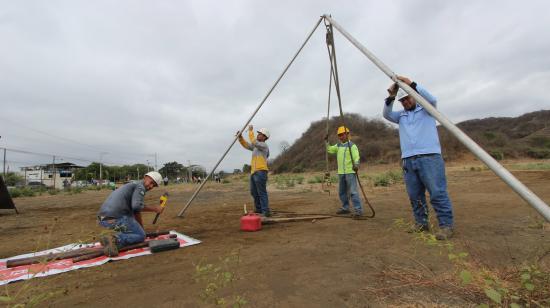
[(347, 186), (121, 212)]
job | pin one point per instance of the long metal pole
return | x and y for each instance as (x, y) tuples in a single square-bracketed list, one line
[(497, 168), (4, 162), (251, 117)]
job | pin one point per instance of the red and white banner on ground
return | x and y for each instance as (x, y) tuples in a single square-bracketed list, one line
[(24, 272)]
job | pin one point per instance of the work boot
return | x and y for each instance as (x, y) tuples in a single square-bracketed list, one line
[(444, 233), (267, 214), (357, 216), (342, 212), (109, 243), (416, 228)]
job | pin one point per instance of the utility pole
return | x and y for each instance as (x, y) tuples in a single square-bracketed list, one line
[(101, 167), (156, 167), (189, 171), (4, 162), (138, 172), (54, 172)]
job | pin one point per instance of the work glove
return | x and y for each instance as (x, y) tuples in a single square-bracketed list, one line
[(392, 90), (355, 168), (405, 80), (250, 127)]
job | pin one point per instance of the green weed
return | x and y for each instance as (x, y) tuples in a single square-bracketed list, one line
[(386, 178), (287, 181), (22, 192), (531, 166), (27, 293), (525, 287), (315, 180), (217, 278)]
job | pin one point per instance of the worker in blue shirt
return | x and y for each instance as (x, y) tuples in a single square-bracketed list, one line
[(423, 166)]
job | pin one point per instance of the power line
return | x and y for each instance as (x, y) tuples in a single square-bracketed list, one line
[(50, 155), (65, 139)]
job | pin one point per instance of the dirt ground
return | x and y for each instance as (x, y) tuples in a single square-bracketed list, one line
[(336, 262)]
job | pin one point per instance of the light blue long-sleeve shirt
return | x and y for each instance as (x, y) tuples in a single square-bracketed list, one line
[(417, 128)]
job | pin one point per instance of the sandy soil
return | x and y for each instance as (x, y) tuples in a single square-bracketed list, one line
[(337, 262)]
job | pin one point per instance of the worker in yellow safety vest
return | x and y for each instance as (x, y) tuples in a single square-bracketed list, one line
[(347, 156)]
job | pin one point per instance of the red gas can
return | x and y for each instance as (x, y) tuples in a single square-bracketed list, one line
[(251, 222)]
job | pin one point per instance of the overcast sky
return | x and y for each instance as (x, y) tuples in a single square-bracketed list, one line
[(131, 78)]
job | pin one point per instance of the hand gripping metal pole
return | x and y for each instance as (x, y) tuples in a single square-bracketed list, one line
[(251, 117), (497, 168)]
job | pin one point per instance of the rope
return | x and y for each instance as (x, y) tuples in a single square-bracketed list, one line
[(327, 180), (334, 69)]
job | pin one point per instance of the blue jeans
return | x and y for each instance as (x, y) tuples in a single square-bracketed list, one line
[(129, 230), (428, 172), (347, 188), (258, 190)]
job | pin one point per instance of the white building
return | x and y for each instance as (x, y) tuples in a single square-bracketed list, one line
[(50, 175)]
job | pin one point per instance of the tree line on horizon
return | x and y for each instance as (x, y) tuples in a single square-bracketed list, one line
[(526, 136)]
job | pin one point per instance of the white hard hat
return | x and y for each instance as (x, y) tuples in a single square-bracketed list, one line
[(401, 94), (264, 132), (155, 176)]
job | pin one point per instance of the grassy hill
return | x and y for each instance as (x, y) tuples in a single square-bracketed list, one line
[(524, 136)]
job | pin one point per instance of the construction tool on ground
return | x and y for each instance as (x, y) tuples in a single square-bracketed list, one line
[(100, 252), (74, 254), (163, 200)]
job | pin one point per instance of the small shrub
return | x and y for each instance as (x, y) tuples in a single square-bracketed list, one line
[(15, 193), (539, 154), (53, 191), (74, 191), (22, 192), (382, 180), (226, 181), (387, 178), (498, 155), (316, 179)]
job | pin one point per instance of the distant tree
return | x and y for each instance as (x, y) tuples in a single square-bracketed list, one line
[(116, 173), (284, 145), (246, 168), (13, 179), (236, 171), (173, 169)]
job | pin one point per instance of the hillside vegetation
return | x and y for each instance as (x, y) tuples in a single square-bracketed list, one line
[(524, 136)]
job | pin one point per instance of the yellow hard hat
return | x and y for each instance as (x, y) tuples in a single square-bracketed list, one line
[(342, 129)]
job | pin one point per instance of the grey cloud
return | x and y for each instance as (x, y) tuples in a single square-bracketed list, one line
[(180, 77)]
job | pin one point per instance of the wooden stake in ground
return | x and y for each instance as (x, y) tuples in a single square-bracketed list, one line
[(274, 220)]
